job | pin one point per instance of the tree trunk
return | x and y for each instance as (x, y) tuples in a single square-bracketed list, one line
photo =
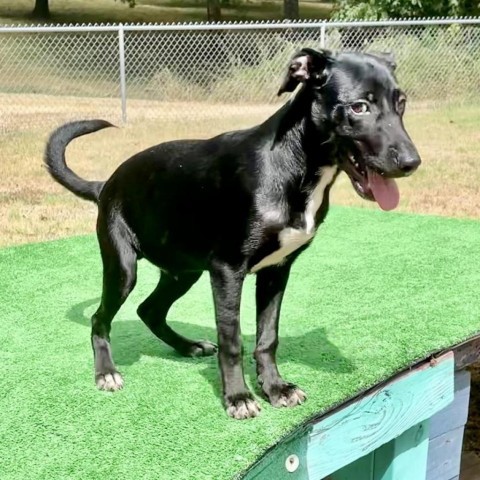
[(290, 9), (41, 9), (214, 13)]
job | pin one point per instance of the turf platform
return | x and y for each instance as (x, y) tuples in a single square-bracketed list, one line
[(376, 292)]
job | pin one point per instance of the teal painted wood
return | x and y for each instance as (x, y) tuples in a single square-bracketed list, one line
[(362, 469), (454, 415), (405, 457), (445, 455), (273, 464), (362, 426), (383, 415), (446, 433)]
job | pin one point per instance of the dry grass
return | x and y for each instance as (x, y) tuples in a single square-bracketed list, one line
[(33, 207), (155, 11), (24, 112)]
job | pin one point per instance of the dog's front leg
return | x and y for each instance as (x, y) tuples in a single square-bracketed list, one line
[(271, 284), (227, 282)]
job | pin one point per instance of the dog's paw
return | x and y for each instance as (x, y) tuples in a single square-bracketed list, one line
[(202, 348), (285, 395), (109, 381), (242, 406)]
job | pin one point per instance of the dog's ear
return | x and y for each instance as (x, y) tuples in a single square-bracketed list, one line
[(305, 65), (387, 58)]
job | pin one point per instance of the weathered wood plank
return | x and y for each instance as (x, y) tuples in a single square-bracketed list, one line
[(444, 455), (467, 353), (383, 415), (454, 415), (364, 425), (405, 457)]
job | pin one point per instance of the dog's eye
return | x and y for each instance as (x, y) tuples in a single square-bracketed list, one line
[(360, 108)]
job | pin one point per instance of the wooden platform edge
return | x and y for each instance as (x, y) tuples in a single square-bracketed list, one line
[(467, 352), (361, 425)]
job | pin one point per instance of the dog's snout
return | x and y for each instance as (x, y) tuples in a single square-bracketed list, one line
[(406, 158), (409, 164)]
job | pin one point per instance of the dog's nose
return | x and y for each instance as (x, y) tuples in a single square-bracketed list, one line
[(409, 164)]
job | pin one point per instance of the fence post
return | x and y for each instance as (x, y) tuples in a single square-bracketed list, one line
[(123, 85), (322, 34)]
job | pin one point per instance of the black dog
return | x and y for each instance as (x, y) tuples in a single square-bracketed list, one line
[(243, 202)]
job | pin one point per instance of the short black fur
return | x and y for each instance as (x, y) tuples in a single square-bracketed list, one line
[(227, 205)]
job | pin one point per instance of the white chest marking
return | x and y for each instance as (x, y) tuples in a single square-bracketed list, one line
[(291, 239)]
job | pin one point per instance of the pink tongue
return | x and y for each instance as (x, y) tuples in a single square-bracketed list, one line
[(384, 190)]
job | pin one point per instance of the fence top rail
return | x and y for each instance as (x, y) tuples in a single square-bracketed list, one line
[(267, 25)]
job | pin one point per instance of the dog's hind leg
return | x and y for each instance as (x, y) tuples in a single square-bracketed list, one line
[(153, 311), (119, 278)]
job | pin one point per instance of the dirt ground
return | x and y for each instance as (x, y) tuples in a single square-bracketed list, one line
[(34, 208), (472, 433)]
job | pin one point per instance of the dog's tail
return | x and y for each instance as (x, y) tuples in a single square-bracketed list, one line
[(55, 158)]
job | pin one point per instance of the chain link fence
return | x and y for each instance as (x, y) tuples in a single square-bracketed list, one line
[(198, 72)]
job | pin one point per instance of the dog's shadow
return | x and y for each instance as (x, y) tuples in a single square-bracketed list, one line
[(131, 340)]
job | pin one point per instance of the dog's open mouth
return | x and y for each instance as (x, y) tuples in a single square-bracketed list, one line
[(371, 184)]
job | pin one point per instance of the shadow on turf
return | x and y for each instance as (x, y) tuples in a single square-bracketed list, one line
[(131, 340)]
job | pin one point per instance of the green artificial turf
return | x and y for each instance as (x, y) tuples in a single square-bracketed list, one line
[(375, 292)]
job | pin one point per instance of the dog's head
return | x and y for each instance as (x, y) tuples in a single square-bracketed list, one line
[(356, 98)]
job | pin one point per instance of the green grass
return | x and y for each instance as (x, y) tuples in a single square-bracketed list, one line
[(376, 292), (155, 11)]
